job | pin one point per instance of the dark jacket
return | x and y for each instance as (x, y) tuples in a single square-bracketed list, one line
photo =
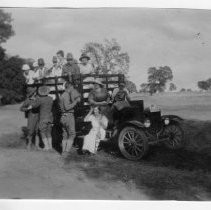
[(31, 112), (45, 104)]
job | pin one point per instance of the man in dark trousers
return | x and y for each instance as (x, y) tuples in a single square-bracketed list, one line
[(44, 103), (32, 118), (68, 101)]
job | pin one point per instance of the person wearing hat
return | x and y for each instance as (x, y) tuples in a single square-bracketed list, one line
[(54, 70), (85, 66), (32, 118), (44, 103), (28, 74), (120, 97), (61, 59), (68, 101), (71, 67), (121, 93), (99, 96), (40, 71)]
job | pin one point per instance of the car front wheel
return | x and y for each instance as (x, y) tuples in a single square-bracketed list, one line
[(132, 143), (175, 136)]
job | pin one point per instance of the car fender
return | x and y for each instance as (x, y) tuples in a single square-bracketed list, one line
[(122, 125)]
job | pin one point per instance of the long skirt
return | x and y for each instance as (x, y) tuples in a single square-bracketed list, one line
[(92, 140)]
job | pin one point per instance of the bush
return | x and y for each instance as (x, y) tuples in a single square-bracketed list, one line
[(12, 81)]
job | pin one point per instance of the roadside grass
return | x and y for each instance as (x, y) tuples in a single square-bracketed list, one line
[(163, 174), (11, 140)]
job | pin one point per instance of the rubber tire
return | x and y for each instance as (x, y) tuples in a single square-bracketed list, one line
[(121, 144), (181, 142)]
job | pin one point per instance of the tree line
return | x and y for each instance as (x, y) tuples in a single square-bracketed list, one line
[(204, 84)]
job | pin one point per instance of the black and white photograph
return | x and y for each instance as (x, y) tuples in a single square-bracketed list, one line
[(105, 104)]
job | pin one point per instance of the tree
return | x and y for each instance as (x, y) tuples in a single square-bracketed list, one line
[(172, 87), (144, 87), (2, 53), (108, 57), (182, 90), (131, 86), (157, 78), (209, 82), (6, 30), (12, 81), (203, 85)]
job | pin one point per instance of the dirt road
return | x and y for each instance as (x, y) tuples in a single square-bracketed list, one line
[(42, 175), (33, 174), (162, 174)]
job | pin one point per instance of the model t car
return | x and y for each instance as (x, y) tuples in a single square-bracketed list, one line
[(136, 127)]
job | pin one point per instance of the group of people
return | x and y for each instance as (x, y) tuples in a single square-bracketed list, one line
[(61, 66), (38, 107)]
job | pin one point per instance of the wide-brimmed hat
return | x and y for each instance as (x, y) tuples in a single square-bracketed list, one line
[(122, 84), (97, 81), (25, 67), (44, 90), (30, 91), (84, 55), (69, 56), (41, 61)]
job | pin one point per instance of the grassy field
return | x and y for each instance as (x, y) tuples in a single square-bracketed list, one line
[(186, 105), (163, 174), (195, 108)]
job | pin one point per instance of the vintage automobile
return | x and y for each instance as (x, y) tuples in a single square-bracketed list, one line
[(136, 127)]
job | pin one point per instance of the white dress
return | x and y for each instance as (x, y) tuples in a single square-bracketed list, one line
[(96, 134)]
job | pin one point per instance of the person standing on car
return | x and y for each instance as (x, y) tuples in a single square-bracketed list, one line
[(44, 103), (32, 118), (40, 72), (55, 70), (70, 68), (61, 59), (28, 74), (85, 66), (68, 101)]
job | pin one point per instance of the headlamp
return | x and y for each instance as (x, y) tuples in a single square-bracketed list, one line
[(147, 123), (166, 121)]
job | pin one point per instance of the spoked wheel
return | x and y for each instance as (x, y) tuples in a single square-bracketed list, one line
[(132, 143), (175, 135)]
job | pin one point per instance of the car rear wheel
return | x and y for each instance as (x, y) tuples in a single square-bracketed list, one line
[(175, 136), (132, 143)]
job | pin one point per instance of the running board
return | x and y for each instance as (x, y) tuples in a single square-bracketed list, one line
[(157, 141)]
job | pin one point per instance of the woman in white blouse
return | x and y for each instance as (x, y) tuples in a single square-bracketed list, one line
[(97, 132)]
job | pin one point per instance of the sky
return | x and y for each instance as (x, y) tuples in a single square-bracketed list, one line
[(178, 38)]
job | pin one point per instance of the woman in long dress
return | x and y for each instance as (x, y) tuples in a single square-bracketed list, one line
[(97, 132)]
